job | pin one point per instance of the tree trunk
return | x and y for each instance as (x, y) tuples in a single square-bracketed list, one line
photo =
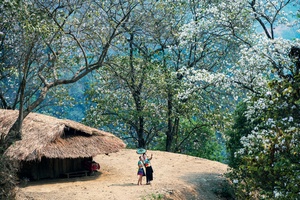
[(169, 132), (140, 121)]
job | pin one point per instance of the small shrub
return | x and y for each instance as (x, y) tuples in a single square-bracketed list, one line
[(8, 178)]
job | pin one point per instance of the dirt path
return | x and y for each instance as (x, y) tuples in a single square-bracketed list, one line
[(176, 177)]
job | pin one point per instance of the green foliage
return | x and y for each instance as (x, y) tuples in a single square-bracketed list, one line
[(154, 197), (241, 127), (134, 110), (269, 170), (268, 158), (66, 101), (8, 179), (198, 139)]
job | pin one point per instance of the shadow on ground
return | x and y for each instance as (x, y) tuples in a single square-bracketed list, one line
[(212, 185), (25, 183)]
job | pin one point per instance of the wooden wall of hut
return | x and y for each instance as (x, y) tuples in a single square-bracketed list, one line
[(50, 168)]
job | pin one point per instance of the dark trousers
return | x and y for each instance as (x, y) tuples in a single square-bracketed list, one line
[(149, 174)]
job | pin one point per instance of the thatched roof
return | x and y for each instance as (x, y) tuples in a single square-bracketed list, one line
[(46, 136)]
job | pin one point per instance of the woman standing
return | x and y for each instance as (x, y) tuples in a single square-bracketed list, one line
[(141, 171), (149, 170)]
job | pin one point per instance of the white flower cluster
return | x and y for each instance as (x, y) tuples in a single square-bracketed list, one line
[(194, 80)]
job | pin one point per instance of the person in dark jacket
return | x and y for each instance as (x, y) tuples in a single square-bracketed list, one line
[(149, 169)]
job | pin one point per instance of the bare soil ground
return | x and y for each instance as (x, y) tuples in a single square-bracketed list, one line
[(176, 177)]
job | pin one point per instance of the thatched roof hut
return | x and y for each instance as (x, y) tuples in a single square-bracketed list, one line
[(46, 137)]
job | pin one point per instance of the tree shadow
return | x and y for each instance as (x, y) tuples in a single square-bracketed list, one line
[(124, 184), (62, 179), (209, 184)]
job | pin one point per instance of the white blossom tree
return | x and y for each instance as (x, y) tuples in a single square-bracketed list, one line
[(267, 67)]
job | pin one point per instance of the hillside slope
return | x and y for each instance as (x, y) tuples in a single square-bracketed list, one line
[(176, 177)]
